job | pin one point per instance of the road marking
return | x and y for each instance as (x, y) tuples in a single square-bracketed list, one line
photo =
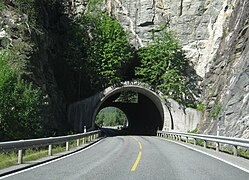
[(140, 145), (34, 167), (137, 161), (213, 156), (134, 167)]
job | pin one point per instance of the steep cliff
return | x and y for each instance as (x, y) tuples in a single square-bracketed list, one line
[(44, 34), (215, 36)]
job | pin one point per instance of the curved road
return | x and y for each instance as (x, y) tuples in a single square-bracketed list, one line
[(134, 157)]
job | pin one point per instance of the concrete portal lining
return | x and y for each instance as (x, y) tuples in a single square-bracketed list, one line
[(141, 88)]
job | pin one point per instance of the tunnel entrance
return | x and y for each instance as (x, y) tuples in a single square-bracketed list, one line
[(143, 109)]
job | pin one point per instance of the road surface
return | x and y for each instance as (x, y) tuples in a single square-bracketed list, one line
[(134, 157)]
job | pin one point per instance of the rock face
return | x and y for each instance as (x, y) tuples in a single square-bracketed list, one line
[(214, 34), (227, 82), (15, 29)]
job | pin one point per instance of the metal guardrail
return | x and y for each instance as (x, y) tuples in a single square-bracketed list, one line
[(42, 142), (235, 142)]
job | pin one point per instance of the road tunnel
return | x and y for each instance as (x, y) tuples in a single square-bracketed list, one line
[(145, 114), (145, 109)]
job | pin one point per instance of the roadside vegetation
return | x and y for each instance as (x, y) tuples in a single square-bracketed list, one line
[(21, 102), (10, 158), (111, 117)]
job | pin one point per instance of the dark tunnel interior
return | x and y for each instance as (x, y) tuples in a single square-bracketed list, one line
[(144, 117)]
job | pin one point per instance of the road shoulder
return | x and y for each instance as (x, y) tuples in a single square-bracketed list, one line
[(238, 162)]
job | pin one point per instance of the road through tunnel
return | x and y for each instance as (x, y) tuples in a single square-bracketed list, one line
[(144, 108)]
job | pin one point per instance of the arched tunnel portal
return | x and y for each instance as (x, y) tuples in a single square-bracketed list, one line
[(146, 115)]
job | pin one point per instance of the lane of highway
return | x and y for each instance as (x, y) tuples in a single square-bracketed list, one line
[(140, 157)]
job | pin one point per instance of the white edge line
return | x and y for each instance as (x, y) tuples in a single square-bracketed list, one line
[(52, 161), (213, 156)]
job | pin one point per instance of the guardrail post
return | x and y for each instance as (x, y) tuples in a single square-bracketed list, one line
[(235, 150), (67, 146), (217, 146), (186, 139), (50, 153), (194, 141), (78, 142), (205, 143), (179, 138), (20, 156)]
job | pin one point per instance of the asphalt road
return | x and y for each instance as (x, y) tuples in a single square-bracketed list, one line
[(134, 157)]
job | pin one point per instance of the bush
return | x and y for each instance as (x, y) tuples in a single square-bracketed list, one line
[(215, 111), (200, 107)]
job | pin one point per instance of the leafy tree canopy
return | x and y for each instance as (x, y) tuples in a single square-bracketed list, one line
[(20, 104), (165, 67), (99, 49)]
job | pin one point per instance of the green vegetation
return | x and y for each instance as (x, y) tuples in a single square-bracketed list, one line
[(29, 8), (165, 67), (99, 49), (195, 131), (3, 6), (10, 158), (215, 111), (110, 117), (200, 107), (20, 103), (128, 97)]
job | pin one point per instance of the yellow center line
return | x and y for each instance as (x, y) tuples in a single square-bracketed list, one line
[(140, 144), (137, 161), (139, 155)]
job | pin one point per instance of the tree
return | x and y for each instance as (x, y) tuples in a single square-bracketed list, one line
[(20, 104), (99, 49), (165, 67)]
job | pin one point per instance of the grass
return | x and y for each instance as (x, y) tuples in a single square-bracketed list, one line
[(244, 154), (10, 158), (7, 159)]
